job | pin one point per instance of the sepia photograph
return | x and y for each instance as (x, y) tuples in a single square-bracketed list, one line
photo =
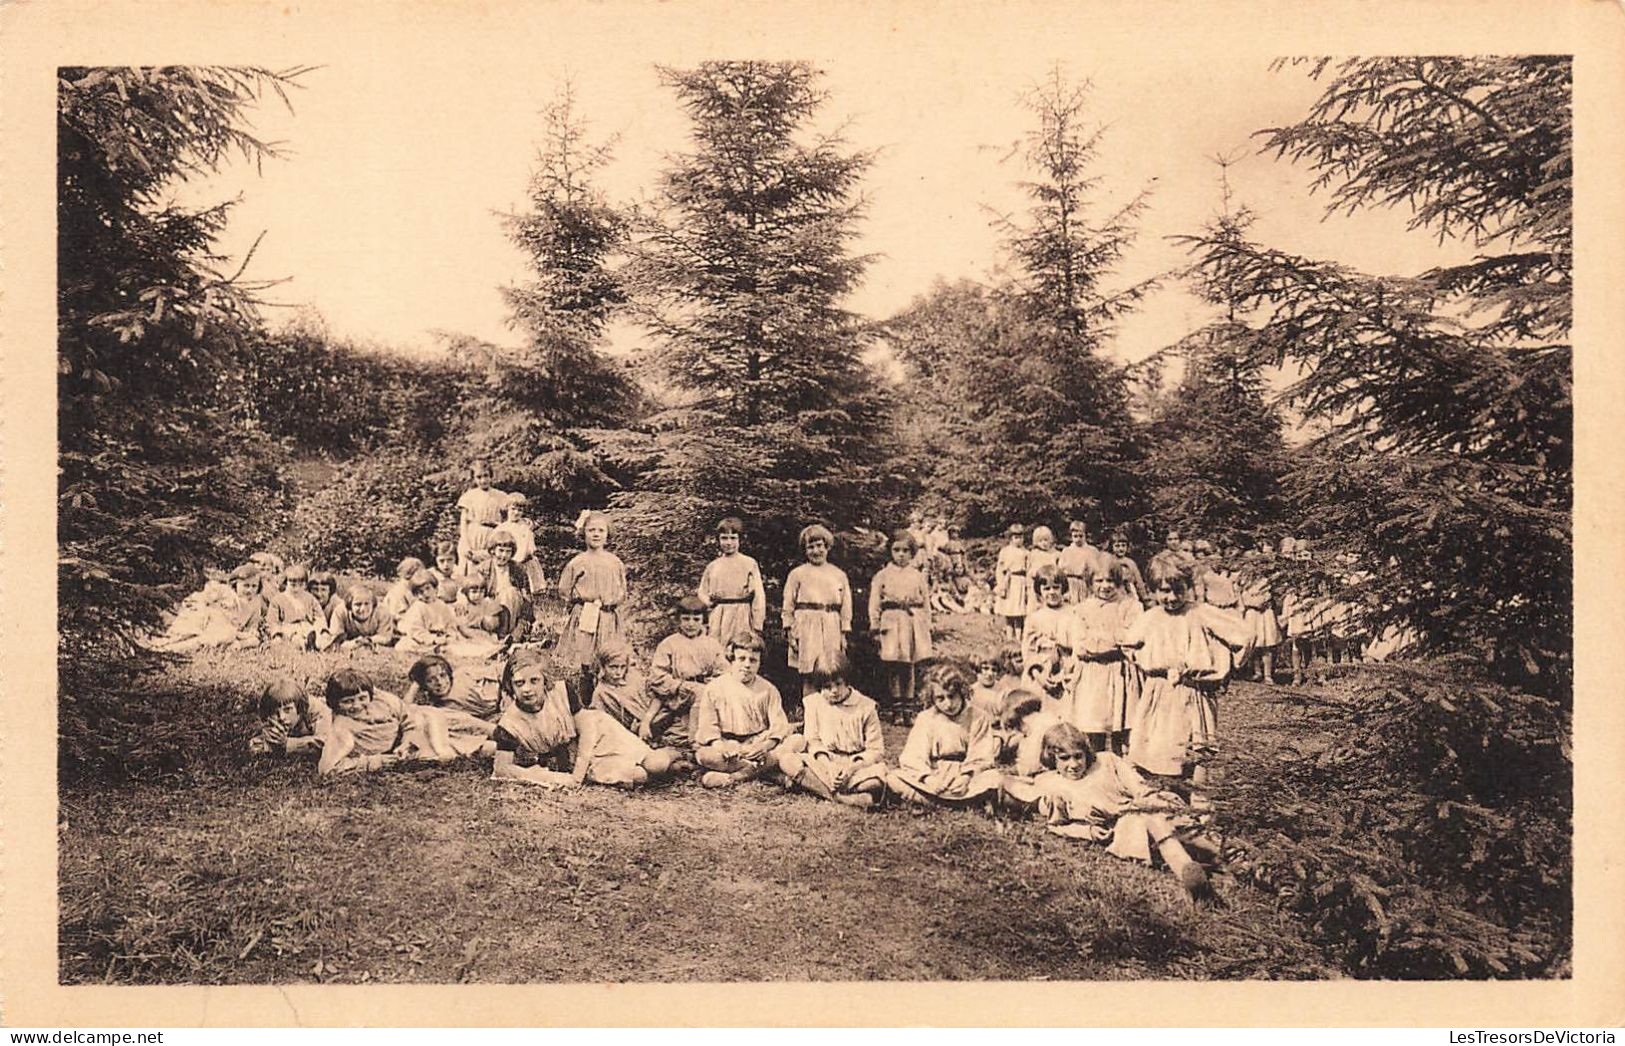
[(977, 507)]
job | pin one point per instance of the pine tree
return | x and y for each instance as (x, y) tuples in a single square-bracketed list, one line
[(740, 271), (1447, 470)]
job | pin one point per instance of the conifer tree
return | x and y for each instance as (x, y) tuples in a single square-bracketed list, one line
[(1447, 470), (741, 269)]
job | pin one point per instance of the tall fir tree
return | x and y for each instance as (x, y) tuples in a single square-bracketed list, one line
[(740, 271), (1215, 452), (1447, 468)]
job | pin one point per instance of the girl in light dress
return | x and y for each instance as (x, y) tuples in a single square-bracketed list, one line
[(1079, 561), (593, 584), (1011, 592), (1045, 642), (360, 621), (1100, 798), (1258, 607), (398, 597), (1103, 694), (479, 509), (468, 709), (900, 616), (373, 729), (293, 616), (1042, 554), (683, 665), (817, 609), (844, 752), (324, 589), (1184, 651), (541, 740), (229, 613), (731, 587), (950, 755)]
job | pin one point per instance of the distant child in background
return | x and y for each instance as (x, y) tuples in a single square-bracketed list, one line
[(445, 560), (1185, 651), (361, 622), (1079, 561), (1258, 607), (1043, 553), (1011, 591), (1044, 639), (211, 616), (541, 740), (1133, 583), (288, 723), (429, 625), (1220, 587), (987, 692), (373, 729), (594, 585), (270, 567), (949, 757), (467, 713), (817, 609), (399, 595), (293, 615), (517, 526), (951, 583), (1104, 694), (731, 586), (479, 510), (844, 755), (900, 617), (507, 583), (482, 618), (740, 729), (1100, 798), (683, 664)]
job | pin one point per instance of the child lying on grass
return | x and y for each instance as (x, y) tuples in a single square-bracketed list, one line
[(289, 723), (373, 729)]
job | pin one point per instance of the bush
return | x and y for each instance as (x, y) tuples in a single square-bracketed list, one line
[(1432, 839), (379, 508)]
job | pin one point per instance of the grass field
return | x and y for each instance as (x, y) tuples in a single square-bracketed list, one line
[(237, 871)]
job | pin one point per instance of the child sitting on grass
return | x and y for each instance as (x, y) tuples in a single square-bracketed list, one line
[(483, 619), (950, 753), (398, 597), (987, 692), (293, 615), (541, 740), (843, 756), (324, 589), (683, 664), (373, 729), (740, 729), (360, 622), (1100, 798), (289, 723)]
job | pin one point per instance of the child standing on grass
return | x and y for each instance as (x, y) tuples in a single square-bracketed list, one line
[(900, 616), (949, 757), (515, 525), (289, 723), (683, 665), (468, 712), (1079, 561), (1010, 588), (1100, 798), (398, 597), (541, 740), (844, 756), (1104, 694), (1042, 554), (594, 585), (731, 586), (1258, 607), (1185, 651), (1045, 644), (294, 616), (479, 510), (740, 729), (373, 729), (361, 622), (817, 609)]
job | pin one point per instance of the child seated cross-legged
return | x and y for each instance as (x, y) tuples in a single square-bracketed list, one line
[(950, 753), (541, 740), (844, 753), (373, 728), (683, 664), (1101, 798), (293, 615), (361, 622), (740, 729), (288, 723)]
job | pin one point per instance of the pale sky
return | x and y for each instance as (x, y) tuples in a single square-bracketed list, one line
[(383, 213)]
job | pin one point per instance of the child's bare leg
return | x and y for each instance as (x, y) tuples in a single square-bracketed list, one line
[(1186, 871), (894, 683), (658, 763), (1266, 667), (908, 674), (903, 790)]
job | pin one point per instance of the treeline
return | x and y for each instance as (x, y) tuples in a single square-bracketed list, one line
[(1441, 469)]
